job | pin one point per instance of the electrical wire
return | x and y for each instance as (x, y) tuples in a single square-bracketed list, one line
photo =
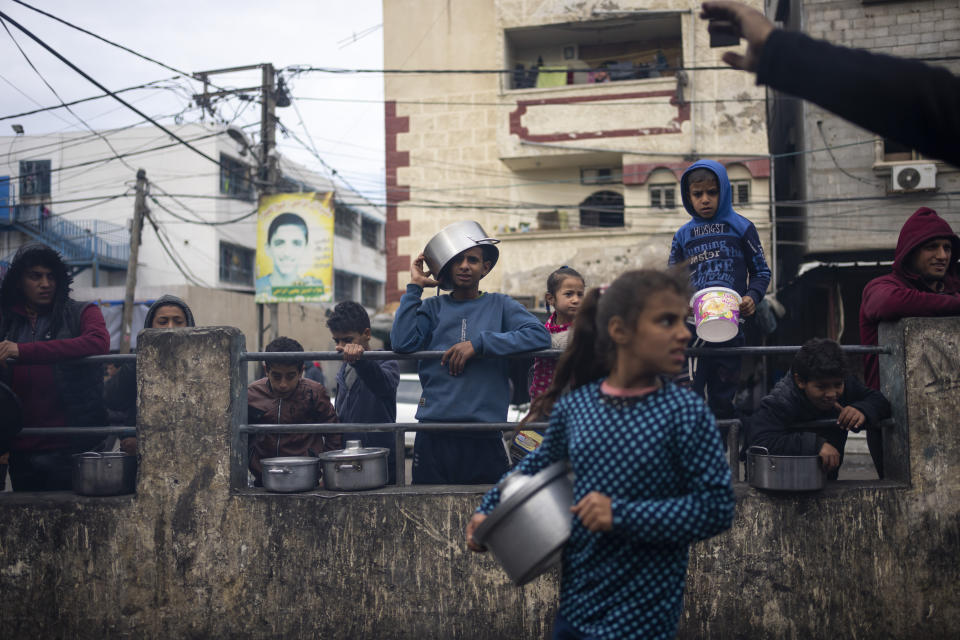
[(62, 103), (176, 259), (123, 155), (4, 16), (385, 71), (146, 85), (111, 43), (329, 168), (202, 222)]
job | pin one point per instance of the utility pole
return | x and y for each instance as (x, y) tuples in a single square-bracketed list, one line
[(268, 166), (267, 172), (136, 231)]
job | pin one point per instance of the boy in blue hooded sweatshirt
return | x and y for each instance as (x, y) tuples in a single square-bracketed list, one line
[(462, 387), (723, 250)]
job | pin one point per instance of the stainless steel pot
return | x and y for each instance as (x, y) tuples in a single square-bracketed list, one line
[(453, 239), (530, 526), (354, 468), (784, 473), (104, 474), (290, 474)]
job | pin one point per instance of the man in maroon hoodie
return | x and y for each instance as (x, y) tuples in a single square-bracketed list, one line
[(41, 330), (924, 282)]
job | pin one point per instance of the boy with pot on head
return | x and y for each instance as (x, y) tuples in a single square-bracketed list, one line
[(723, 250), (366, 389), (284, 396), (461, 387), (817, 386)]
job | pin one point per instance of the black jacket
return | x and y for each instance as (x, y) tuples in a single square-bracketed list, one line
[(787, 404), (78, 384), (913, 103), (120, 391)]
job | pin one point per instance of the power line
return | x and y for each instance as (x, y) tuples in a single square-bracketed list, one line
[(202, 222), (102, 39), (104, 89), (57, 95), (327, 166), (123, 155), (349, 71), (146, 85), (166, 245)]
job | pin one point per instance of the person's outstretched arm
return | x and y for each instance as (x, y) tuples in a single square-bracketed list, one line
[(906, 100)]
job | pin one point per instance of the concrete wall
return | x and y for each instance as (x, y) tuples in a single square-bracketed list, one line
[(188, 556)]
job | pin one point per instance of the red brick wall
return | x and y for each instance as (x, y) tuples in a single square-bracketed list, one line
[(396, 194)]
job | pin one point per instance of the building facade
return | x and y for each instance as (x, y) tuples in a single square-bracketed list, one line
[(69, 190), (564, 132)]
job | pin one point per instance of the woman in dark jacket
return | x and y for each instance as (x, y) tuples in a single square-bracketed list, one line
[(120, 391)]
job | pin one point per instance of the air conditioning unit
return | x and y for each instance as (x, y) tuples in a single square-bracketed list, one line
[(914, 177)]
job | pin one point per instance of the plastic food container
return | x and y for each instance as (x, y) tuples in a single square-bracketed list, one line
[(716, 313)]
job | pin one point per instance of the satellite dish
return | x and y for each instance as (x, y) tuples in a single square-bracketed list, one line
[(908, 178)]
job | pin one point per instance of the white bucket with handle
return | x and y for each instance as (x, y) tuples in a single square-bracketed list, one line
[(716, 313)]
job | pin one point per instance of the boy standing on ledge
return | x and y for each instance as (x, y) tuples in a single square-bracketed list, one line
[(723, 250)]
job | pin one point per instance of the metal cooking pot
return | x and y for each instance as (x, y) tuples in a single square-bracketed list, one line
[(530, 526), (290, 474), (784, 473), (110, 473), (354, 468), (452, 240)]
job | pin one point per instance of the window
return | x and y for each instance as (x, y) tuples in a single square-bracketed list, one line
[(896, 152), (235, 178), (370, 233), (236, 264), (369, 293), (663, 196), (601, 176), (741, 191), (345, 220), (602, 209), (343, 285), (623, 48), (549, 220), (34, 178)]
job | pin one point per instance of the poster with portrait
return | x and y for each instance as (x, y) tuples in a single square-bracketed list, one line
[(295, 248)]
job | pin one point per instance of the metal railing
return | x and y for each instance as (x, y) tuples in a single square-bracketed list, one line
[(732, 427)]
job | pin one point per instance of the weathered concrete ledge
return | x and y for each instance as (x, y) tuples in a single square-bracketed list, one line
[(188, 556)]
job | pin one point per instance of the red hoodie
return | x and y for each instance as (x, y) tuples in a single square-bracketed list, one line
[(902, 294)]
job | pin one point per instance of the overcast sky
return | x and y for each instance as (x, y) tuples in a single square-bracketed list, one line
[(342, 112)]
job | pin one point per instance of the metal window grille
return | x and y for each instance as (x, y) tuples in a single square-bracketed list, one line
[(236, 264)]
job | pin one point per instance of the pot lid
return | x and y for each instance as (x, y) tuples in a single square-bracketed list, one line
[(289, 461), (96, 455), (354, 451)]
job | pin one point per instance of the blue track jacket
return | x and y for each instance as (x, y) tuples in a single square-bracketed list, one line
[(495, 323), (724, 251)]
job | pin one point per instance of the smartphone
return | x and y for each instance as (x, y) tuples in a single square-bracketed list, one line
[(723, 33)]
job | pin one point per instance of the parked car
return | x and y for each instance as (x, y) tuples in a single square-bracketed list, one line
[(408, 399)]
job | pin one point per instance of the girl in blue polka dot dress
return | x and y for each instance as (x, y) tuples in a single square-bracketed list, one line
[(651, 477)]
